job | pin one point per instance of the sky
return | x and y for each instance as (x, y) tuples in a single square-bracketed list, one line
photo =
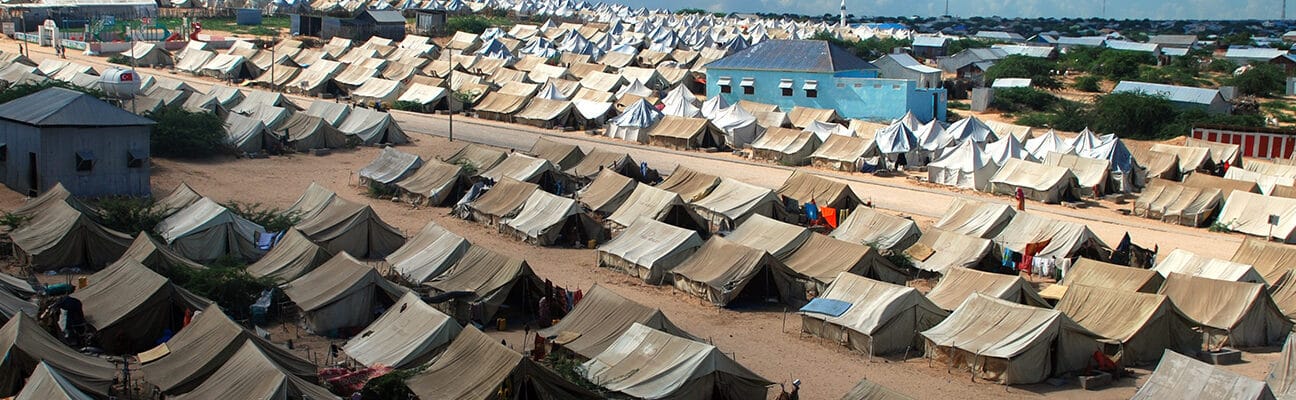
[(1119, 9)]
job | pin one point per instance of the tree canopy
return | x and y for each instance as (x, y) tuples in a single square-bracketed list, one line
[(1038, 70), (181, 133)]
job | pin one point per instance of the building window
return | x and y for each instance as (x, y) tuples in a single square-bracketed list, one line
[(136, 159), (748, 85), (4, 152), (85, 161), (895, 87), (785, 87), (725, 84), (859, 85), (811, 88)]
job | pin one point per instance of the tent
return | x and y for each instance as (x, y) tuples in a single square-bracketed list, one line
[(690, 184), (681, 102), (1249, 213), (291, 257), (1190, 158), (1282, 375), (1125, 175), (606, 193), (546, 113), (738, 125), (252, 373), (1226, 186), (970, 128), (634, 123), (1099, 274), (246, 134), (341, 293), (685, 133), (1268, 183), (479, 157), (778, 238), (58, 236), (721, 270), (1185, 262), (547, 219), (960, 283), (1181, 377), (801, 117), (1006, 148), (1144, 324), (1092, 175), (1236, 314), (1010, 343), (1220, 153), (786, 146), (485, 283), (430, 97), (131, 306), (428, 254), (181, 197), (879, 318), (155, 255), (373, 127), (649, 249), (656, 204), (389, 167), (11, 304), (1177, 203), (897, 145), (824, 192), (1039, 182), (650, 364), (302, 132), (209, 342), (500, 106), (713, 106), (503, 200), (476, 366), (939, 250), (600, 318), (562, 155), (26, 345), (205, 231), (146, 54), (436, 183), (1161, 165), (48, 383), (732, 202), (966, 166), (866, 389), (339, 225), (598, 160), (877, 229), (408, 335), (1271, 260), (1065, 239), (841, 153), (378, 90), (975, 218)]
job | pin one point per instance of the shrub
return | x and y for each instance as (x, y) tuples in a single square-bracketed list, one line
[(470, 23), (12, 221), (272, 219), (1119, 65), (119, 59), (467, 167), (1133, 115), (129, 215), (407, 106), (569, 370), (1021, 99), (391, 385), (1038, 70), (182, 133), (1087, 83), (225, 282), (1222, 66), (1260, 80)]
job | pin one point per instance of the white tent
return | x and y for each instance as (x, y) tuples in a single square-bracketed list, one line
[(205, 231), (1007, 147), (966, 166), (634, 122), (739, 126), (1185, 262)]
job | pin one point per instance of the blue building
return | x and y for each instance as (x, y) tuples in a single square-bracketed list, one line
[(817, 74)]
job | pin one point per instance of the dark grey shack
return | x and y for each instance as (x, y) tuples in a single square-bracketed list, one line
[(61, 135)]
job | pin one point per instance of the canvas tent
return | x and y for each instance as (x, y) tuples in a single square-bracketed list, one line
[(1185, 262), (975, 218), (778, 238), (1271, 260), (606, 193), (548, 219), (1144, 324), (59, 236), (882, 318), (1238, 314), (786, 146), (939, 250), (649, 249), (690, 184), (600, 318), (813, 265), (48, 383), (650, 364), (480, 157), (1065, 239), (131, 306), (721, 270), (634, 123), (303, 132), (866, 389), (149, 252), (476, 366), (373, 127), (841, 153), (1181, 377), (502, 201), (428, 254), (877, 229), (1099, 274), (205, 231), (354, 228), (598, 160), (1039, 182), (960, 283), (1249, 213), (341, 293), (561, 155), (684, 133), (435, 183), (824, 192), (966, 166), (1177, 203), (253, 374), (524, 168), (1092, 175), (26, 345), (181, 197), (1010, 343), (390, 166), (656, 204), (488, 280), (733, 202), (1282, 376), (293, 256), (408, 335)]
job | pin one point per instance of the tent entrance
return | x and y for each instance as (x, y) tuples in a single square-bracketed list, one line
[(761, 291)]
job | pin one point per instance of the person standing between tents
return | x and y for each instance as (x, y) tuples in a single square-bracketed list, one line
[(1021, 200)]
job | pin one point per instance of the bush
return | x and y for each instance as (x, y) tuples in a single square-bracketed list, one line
[(1021, 99), (1260, 80), (1119, 65), (569, 369), (1132, 115), (1087, 83), (380, 191), (225, 282), (181, 133), (1222, 66), (272, 219), (391, 385), (470, 23), (129, 215), (407, 106), (119, 59), (1038, 70), (12, 221)]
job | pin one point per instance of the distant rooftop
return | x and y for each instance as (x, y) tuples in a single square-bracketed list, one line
[(1180, 94), (793, 55), (64, 107)]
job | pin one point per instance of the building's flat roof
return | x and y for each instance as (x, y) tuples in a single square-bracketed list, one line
[(793, 55)]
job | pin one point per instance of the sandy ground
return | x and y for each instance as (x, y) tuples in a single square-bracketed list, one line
[(766, 340)]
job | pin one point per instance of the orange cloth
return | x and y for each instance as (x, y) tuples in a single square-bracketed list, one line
[(829, 215)]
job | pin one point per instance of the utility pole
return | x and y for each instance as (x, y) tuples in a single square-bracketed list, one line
[(947, 8), (450, 97)]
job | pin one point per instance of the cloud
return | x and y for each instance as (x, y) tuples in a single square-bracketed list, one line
[(1126, 9)]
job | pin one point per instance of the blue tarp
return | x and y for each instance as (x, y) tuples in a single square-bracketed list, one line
[(829, 307)]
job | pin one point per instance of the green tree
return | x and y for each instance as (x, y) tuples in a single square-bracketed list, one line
[(1260, 80), (1038, 70), (129, 215), (1023, 98), (1087, 83), (1222, 66), (957, 45), (1134, 115), (470, 23), (181, 133), (1119, 65)]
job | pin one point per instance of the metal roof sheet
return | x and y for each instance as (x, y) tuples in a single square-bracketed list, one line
[(1181, 94), (793, 55), (63, 107)]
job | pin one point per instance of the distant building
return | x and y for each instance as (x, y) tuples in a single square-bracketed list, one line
[(1005, 83), (1175, 41), (1067, 42), (1150, 48), (1209, 100), (1000, 36), (72, 15), (817, 74), (904, 66), (1048, 52), (971, 63), (430, 22), (361, 25), (63, 136), (1259, 55), (930, 46)]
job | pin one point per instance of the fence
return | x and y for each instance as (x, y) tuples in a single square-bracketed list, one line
[(196, 12)]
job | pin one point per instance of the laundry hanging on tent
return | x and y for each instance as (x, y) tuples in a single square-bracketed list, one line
[(829, 216), (1028, 254), (812, 212)]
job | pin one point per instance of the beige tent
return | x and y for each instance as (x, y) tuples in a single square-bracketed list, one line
[(975, 218), (26, 345), (1090, 173), (732, 202), (54, 196), (12, 304), (354, 228), (786, 146), (293, 256), (882, 318), (1191, 158), (434, 184), (408, 335), (149, 252), (778, 238), (545, 113), (499, 106), (1160, 165), (59, 236), (1039, 182), (482, 281), (562, 155), (600, 318), (685, 133), (1249, 213), (1282, 376), (1065, 239), (1272, 260), (389, 167), (649, 250), (806, 188), (646, 363), (252, 374), (1226, 186), (205, 231), (428, 254), (1009, 343), (131, 306), (1093, 273), (841, 153), (877, 229), (656, 204), (802, 117), (813, 266), (1268, 183), (523, 168), (204, 346), (341, 293), (476, 366), (304, 132), (721, 271), (960, 283), (1144, 324), (867, 390), (1185, 262), (606, 193), (1178, 203), (1236, 314), (598, 160), (1182, 377), (378, 90), (547, 219), (503, 200), (691, 185), (178, 199), (939, 250), (48, 383)]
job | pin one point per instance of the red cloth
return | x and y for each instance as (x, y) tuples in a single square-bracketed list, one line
[(576, 298), (829, 215), (1028, 254), (1104, 363)]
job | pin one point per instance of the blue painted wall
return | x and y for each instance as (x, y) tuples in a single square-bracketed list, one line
[(858, 94)]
